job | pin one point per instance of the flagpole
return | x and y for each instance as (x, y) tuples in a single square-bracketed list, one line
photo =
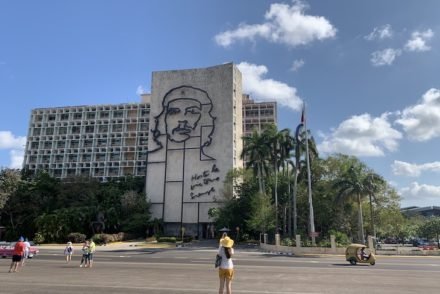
[(311, 215)]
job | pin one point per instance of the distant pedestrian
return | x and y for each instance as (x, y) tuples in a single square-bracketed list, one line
[(27, 248), (17, 255), (68, 251), (226, 268), (85, 254), (92, 249)]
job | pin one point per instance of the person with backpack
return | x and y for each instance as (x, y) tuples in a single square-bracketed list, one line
[(226, 268), (85, 255), (68, 251)]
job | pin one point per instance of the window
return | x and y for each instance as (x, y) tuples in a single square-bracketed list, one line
[(62, 130), (104, 114), (118, 114), (90, 129), (77, 115), (76, 129), (103, 128), (90, 115)]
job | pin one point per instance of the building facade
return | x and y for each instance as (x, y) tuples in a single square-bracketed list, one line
[(194, 140), (257, 114), (100, 141), (183, 138)]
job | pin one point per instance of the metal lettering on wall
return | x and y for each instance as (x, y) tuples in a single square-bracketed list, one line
[(201, 183)]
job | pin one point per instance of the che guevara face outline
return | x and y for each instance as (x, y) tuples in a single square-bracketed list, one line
[(182, 116)]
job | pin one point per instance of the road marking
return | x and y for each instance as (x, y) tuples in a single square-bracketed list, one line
[(177, 290)]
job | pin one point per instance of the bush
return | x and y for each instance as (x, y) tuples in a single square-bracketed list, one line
[(38, 238), (167, 239), (187, 239), (340, 238), (324, 243), (287, 242), (244, 237), (76, 237), (108, 238), (102, 238)]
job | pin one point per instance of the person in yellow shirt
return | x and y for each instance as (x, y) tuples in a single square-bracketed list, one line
[(92, 249)]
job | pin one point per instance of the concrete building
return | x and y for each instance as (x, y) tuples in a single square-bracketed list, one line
[(183, 137), (94, 141), (195, 139), (427, 211), (257, 114)]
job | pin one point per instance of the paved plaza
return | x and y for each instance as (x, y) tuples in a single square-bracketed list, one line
[(191, 270)]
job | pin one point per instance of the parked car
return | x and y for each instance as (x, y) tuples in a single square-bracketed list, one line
[(6, 250), (390, 241)]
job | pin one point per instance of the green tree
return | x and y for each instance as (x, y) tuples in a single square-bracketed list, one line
[(261, 218), (256, 152), (431, 229), (9, 181), (372, 183), (351, 187)]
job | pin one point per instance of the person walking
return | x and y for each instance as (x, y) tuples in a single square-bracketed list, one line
[(17, 255), (226, 268), (68, 251), (27, 248), (85, 254), (92, 249)]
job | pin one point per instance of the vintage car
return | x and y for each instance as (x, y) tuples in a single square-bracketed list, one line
[(6, 250)]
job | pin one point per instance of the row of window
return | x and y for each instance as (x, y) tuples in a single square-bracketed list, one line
[(90, 129), (96, 157), (94, 172), (259, 112)]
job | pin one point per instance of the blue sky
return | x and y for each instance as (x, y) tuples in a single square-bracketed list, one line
[(367, 70)]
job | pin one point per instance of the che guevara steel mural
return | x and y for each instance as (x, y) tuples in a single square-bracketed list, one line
[(184, 132)]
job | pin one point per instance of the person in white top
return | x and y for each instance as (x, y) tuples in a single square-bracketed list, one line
[(226, 268), (68, 251), (27, 247)]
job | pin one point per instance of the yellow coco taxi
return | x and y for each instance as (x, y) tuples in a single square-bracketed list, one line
[(359, 253)]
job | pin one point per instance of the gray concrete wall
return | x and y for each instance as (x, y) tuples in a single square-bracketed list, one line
[(193, 125)]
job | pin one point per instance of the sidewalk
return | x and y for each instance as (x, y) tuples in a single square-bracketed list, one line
[(111, 246)]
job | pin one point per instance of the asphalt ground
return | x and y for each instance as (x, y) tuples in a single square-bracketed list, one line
[(134, 269)]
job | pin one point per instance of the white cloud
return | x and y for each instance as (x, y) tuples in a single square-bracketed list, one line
[(141, 90), (421, 194), (262, 89), (362, 135), (297, 64), (285, 24), (17, 157), (9, 141), (384, 57), (401, 168), (421, 122), (418, 41), (15, 145), (380, 33)]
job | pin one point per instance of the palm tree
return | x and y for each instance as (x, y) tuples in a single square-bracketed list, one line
[(352, 187), (273, 139), (287, 145), (372, 183), (300, 150), (256, 151)]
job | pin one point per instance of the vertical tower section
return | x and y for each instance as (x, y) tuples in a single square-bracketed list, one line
[(194, 140)]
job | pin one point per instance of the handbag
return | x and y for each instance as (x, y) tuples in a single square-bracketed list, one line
[(218, 260)]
